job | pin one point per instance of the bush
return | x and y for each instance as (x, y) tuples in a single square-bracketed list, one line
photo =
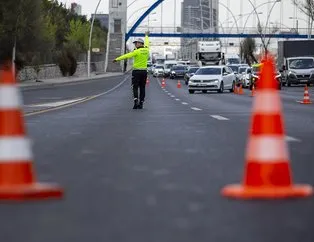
[(67, 63), (73, 62)]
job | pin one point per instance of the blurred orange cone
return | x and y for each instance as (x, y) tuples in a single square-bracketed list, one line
[(179, 84), (236, 89), (267, 172), (240, 90), (306, 98), (17, 179), (163, 83), (253, 91)]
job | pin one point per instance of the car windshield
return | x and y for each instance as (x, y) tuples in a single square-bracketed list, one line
[(209, 71), (168, 66), (234, 68), (233, 60), (159, 67), (301, 63), (193, 69), (179, 68), (242, 69)]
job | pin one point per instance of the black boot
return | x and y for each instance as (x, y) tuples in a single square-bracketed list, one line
[(140, 106), (135, 104)]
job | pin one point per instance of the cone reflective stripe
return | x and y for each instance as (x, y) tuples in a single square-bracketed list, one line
[(163, 83), (17, 179), (306, 98), (267, 172)]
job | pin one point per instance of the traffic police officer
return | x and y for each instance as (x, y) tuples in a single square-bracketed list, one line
[(139, 73)]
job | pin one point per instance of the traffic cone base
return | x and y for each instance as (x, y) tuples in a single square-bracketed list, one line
[(304, 102), (33, 191), (245, 192)]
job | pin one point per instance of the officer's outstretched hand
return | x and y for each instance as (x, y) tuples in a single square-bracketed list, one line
[(114, 61)]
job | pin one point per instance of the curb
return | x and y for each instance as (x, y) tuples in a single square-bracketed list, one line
[(40, 85)]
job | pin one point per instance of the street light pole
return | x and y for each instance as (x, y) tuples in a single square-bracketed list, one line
[(90, 40)]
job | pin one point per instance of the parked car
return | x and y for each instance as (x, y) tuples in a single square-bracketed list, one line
[(191, 71), (167, 67), (255, 76), (235, 69), (212, 78), (245, 76), (178, 71), (158, 71), (149, 68)]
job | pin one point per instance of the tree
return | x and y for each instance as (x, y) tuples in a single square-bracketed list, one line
[(247, 50), (307, 7)]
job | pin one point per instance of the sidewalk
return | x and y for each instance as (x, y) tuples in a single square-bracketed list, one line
[(64, 80)]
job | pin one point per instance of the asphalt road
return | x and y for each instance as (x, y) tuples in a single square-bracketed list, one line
[(155, 174)]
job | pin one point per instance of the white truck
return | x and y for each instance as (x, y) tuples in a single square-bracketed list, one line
[(207, 53), (232, 59)]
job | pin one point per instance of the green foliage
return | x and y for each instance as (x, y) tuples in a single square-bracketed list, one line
[(247, 50), (43, 29)]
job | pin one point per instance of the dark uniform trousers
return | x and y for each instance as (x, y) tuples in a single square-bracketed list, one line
[(139, 82)]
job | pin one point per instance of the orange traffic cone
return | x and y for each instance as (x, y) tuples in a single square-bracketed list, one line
[(163, 83), (240, 92), (253, 91), (179, 84), (306, 99), (267, 172), (236, 89), (17, 178)]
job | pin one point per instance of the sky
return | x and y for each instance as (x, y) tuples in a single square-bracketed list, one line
[(168, 16)]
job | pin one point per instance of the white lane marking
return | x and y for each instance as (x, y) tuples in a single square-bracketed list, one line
[(177, 99), (292, 139), (218, 117), (196, 109), (57, 104), (172, 96), (184, 103)]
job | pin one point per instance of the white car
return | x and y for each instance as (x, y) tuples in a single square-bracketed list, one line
[(245, 75), (212, 78), (158, 71)]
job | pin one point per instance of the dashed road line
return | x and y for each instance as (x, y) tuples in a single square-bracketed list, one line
[(196, 109), (292, 139), (184, 103), (218, 117), (177, 99), (172, 96)]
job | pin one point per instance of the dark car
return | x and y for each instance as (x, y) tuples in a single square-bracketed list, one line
[(192, 70), (178, 71), (255, 77)]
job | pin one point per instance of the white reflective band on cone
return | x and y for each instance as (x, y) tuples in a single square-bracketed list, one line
[(268, 149), (267, 102), (15, 149), (9, 97)]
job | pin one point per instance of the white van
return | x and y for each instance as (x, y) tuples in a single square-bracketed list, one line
[(167, 66)]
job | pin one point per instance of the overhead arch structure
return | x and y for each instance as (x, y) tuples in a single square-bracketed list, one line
[(140, 20), (202, 35)]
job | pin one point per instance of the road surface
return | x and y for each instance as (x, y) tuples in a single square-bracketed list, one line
[(155, 174)]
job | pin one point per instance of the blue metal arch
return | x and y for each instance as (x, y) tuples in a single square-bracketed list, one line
[(139, 21), (216, 35)]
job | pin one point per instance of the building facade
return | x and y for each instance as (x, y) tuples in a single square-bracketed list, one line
[(198, 16)]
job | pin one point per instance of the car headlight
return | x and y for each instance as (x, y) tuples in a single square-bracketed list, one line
[(173, 72), (292, 73), (216, 81)]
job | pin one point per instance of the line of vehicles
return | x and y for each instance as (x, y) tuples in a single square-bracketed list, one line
[(210, 70)]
